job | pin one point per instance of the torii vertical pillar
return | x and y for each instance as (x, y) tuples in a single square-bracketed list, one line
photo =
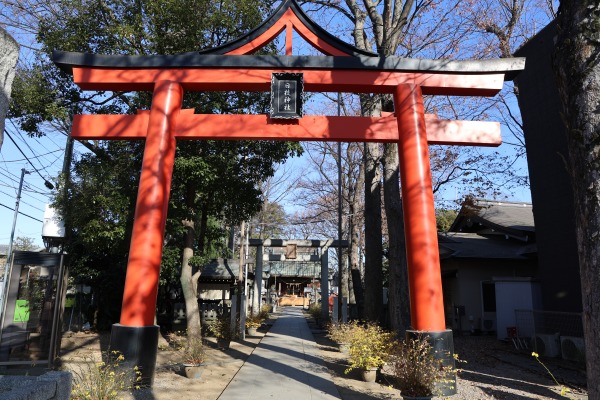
[(136, 336), (424, 273)]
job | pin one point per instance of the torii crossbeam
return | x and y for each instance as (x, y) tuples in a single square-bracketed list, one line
[(232, 68)]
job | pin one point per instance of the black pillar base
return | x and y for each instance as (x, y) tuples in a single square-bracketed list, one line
[(442, 345), (139, 346)]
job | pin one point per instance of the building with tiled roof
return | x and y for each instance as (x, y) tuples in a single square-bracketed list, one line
[(494, 280), (489, 247)]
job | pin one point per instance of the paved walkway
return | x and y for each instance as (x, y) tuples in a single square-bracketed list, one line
[(284, 365)]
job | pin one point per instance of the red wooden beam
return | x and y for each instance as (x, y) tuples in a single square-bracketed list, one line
[(308, 128), (213, 79)]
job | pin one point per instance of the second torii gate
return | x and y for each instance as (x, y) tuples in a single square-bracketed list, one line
[(232, 68)]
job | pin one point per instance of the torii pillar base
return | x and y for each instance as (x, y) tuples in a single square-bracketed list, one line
[(442, 346), (138, 345)]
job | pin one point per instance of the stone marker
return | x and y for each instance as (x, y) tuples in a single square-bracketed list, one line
[(53, 385)]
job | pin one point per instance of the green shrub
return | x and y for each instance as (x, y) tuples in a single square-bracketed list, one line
[(253, 321), (415, 368), (222, 329), (264, 312), (104, 380), (315, 311), (342, 332), (176, 340), (370, 347)]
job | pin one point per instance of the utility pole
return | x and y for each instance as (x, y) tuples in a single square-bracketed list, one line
[(9, 256)]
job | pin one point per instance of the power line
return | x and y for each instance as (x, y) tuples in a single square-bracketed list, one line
[(57, 158), (51, 163), (41, 155), (53, 142), (46, 183), (27, 184), (27, 144), (23, 201), (31, 190), (29, 216), (8, 194), (27, 189), (12, 179), (9, 177), (5, 185)]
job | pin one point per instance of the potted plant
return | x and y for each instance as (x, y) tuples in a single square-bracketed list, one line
[(223, 330), (263, 314), (415, 369), (370, 348), (341, 333), (253, 322), (193, 358)]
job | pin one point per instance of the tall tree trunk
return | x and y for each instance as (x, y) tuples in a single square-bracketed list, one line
[(577, 66), (231, 240), (398, 296), (373, 235), (344, 288), (189, 283), (354, 244), (353, 312), (349, 185), (371, 106), (204, 224), (189, 277)]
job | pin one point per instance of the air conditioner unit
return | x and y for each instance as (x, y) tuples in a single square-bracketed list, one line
[(489, 325), (547, 345), (572, 348)]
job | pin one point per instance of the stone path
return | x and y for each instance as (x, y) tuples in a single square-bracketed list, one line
[(285, 365)]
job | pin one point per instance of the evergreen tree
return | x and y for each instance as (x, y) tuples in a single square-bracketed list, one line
[(215, 183)]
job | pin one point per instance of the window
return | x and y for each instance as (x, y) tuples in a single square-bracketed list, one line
[(488, 293)]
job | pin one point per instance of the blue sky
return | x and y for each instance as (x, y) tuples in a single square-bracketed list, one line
[(46, 156)]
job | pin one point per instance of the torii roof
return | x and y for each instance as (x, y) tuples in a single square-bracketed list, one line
[(289, 11), (289, 15)]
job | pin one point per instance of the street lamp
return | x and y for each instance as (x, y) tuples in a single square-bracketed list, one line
[(53, 230)]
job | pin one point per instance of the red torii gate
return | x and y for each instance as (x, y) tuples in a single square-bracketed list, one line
[(231, 67)]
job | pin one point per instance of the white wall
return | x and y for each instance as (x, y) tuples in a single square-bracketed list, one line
[(465, 290), (514, 294)]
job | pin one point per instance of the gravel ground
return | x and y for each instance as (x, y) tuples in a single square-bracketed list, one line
[(496, 370), (493, 370)]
